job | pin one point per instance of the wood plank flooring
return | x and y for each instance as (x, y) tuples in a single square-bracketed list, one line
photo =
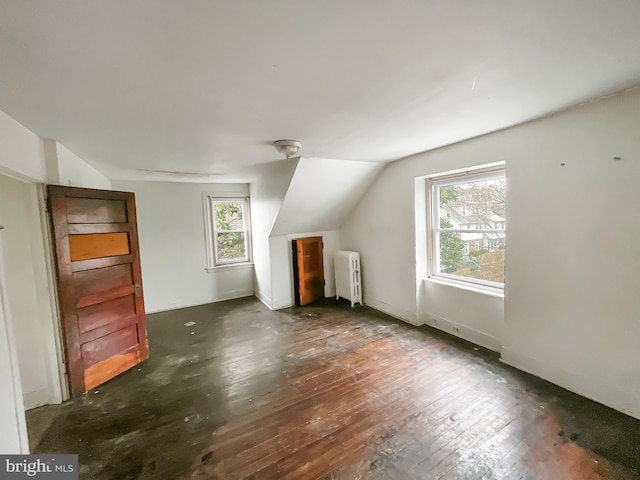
[(329, 392)]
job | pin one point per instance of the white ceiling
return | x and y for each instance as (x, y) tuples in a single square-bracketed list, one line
[(205, 86)]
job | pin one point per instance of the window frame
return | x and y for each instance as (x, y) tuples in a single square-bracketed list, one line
[(213, 262), (433, 215)]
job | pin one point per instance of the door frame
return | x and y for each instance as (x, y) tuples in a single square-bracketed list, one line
[(296, 236), (56, 370), (60, 389), (6, 324)]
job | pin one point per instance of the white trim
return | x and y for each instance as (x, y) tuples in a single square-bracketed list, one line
[(229, 266), (264, 299), (19, 176), (296, 236), (210, 244), (59, 388), (466, 230), (476, 169), (604, 391), (229, 296), (455, 177), (37, 398), (483, 289), (470, 281), (462, 331), (391, 310), (14, 370)]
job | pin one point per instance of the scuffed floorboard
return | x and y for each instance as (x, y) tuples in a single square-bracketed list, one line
[(329, 392)]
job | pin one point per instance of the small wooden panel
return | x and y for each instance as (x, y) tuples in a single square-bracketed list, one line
[(103, 331), (96, 210), (109, 345), (310, 269), (105, 296), (107, 369), (98, 315), (98, 245), (85, 228), (94, 263), (101, 280), (311, 259)]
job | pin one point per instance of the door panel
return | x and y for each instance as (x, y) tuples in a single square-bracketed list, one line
[(102, 280), (96, 210), (310, 269), (99, 283), (101, 314), (109, 345), (98, 245)]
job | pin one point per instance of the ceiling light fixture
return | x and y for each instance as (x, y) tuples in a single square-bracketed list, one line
[(287, 147)]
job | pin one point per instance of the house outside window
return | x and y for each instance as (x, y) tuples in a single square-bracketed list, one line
[(229, 235), (467, 227)]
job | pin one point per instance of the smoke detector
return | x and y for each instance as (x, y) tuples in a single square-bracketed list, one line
[(287, 147)]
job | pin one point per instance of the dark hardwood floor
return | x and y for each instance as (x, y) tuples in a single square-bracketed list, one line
[(329, 392)]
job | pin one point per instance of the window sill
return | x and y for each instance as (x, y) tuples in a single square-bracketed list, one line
[(231, 266), (485, 290)]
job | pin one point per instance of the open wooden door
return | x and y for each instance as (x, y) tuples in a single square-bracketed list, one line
[(310, 278), (99, 283)]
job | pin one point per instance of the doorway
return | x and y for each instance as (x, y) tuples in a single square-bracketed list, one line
[(308, 270), (30, 294)]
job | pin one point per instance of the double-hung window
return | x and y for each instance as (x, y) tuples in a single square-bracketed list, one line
[(467, 227), (229, 233)]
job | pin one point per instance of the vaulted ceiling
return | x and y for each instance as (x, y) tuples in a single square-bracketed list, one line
[(204, 87)]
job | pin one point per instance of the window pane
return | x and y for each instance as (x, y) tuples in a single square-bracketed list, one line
[(229, 216), (480, 257), (474, 205), (231, 246)]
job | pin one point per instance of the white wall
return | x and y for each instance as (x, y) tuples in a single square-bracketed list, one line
[(282, 265), (171, 229), (21, 152), (28, 291), (267, 194), (29, 286), (304, 197), (322, 194), (571, 300), (12, 418), (75, 172), (65, 168)]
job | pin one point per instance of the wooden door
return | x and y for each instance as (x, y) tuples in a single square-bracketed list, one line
[(310, 269), (99, 283)]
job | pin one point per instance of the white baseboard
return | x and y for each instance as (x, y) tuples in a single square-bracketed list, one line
[(227, 296), (36, 398), (464, 332), (603, 391), (384, 307), (264, 299)]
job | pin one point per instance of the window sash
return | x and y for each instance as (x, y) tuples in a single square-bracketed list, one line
[(433, 185), (217, 261), (463, 230)]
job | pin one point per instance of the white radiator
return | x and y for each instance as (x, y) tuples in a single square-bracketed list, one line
[(347, 266)]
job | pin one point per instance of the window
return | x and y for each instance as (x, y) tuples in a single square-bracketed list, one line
[(467, 227), (229, 235)]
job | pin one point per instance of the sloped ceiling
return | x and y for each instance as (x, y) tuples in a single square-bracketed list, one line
[(322, 194), (197, 90)]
